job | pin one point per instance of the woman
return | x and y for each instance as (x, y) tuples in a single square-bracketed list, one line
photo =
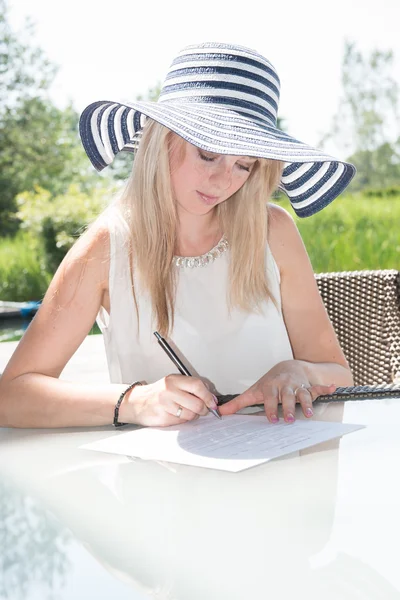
[(194, 249)]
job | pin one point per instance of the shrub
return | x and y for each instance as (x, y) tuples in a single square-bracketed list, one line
[(59, 220), (23, 275), (382, 192)]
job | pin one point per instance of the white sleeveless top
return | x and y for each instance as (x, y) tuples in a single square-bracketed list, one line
[(229, 351)]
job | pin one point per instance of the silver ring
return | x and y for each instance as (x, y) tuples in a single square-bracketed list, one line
[(302, 386), (179, 412)]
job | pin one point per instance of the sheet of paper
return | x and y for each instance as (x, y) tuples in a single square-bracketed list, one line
[(235, 443)]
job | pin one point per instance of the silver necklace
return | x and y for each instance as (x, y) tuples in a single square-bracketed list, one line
[(203, 260)]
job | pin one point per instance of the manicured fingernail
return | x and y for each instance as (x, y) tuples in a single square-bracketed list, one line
[(274, 419), (289, 418), (215, 399), (309, 412)]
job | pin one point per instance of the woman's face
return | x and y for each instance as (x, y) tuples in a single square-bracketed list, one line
[(201, 179)]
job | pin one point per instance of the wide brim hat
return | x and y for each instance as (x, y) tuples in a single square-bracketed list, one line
[(223, 99)]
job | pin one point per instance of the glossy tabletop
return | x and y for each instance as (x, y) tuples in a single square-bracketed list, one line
[(322, 523)]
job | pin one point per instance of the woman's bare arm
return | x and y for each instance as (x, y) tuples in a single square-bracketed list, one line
[(314, 342), (31, 395)]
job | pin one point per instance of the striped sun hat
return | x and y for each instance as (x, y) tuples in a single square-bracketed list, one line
[(221, 98)]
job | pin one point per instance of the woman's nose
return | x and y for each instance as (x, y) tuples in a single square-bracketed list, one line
[(222, 176)]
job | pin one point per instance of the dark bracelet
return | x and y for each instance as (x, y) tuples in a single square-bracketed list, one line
[(122, 396)]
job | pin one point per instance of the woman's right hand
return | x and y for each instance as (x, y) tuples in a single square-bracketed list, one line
[(157, 404)]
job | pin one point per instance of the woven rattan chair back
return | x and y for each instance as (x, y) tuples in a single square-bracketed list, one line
[(364, 307)]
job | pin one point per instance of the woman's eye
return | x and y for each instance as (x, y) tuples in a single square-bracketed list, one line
[(212, 158), (206, 158)]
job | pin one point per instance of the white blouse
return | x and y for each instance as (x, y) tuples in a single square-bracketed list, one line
[(229, 351)]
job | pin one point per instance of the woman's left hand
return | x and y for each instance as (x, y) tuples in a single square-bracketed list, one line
[(286, 383)]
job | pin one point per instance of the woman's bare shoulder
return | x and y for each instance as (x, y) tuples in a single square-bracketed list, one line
[(82, 277), (283, 234), (91, 251), (94, 242)]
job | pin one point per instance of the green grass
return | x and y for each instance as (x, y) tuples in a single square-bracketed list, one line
[(353, 233)]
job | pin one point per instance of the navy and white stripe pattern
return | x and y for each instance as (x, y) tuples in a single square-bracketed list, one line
[(223, 99)]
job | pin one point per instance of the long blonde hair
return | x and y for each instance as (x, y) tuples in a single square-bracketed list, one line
[(149, 208)]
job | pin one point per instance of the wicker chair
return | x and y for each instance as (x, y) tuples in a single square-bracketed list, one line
[(364, 307)]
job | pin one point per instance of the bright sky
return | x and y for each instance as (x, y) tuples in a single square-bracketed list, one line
[(115, 50)]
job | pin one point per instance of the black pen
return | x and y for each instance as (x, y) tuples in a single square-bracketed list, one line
[(179, 364)]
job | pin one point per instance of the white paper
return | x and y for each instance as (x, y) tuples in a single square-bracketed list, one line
[(234, 443)]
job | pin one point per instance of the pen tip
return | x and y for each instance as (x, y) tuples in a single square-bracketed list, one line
[(216, 413), (158, 336)]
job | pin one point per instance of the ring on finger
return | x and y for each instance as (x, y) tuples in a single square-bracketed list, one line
[(179, 411), (301, 387)]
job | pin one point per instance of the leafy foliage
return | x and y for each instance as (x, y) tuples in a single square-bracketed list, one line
[(377, 169), (23, 274), (39, 143), (39, 146), (389, 192), (59, 220), (367, 115)]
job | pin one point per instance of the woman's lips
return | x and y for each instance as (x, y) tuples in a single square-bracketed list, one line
[(208, 199)]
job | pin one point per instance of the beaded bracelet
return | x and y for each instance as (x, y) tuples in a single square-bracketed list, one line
[(122, 396)]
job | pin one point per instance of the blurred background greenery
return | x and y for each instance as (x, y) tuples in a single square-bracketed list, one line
[(49, 192)]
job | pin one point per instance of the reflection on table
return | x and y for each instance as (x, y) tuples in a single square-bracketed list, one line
[(319, 524)]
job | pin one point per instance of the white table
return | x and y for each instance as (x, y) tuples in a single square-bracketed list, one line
[(324, 524)]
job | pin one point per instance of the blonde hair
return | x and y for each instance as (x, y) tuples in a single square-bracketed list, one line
[(149, 208)]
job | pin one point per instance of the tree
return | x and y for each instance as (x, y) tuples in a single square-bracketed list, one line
[(24, 70), (57, 221), (366, 125), (39, 146), (39, 143), (377, 169)]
